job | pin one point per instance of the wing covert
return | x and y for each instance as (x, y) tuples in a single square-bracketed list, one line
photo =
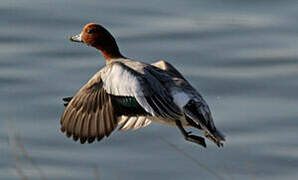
[(140, 81)]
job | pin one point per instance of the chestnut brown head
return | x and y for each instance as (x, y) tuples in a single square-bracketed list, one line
[(97, 36)]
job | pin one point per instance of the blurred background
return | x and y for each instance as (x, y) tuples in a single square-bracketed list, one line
[(241, 55)]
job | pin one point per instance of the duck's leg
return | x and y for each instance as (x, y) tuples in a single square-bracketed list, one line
[(192, 138)]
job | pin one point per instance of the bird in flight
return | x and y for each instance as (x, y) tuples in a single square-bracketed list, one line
[(129, 94)]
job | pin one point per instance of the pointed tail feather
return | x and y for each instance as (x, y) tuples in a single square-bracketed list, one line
[(216, 137), (219, 135), (194, 113)]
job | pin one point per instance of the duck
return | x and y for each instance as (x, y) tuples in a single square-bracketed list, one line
[(129, 94)]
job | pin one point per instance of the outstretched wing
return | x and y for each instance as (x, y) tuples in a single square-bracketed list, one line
[(90, 113), (94, 111)]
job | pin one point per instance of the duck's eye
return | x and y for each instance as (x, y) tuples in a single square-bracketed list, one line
[(91, 31)]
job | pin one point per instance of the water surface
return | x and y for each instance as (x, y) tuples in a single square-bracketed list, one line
[(242, 56)]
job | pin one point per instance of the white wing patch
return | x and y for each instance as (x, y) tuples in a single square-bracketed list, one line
[(133, 122), (180, 98), (118, 81)]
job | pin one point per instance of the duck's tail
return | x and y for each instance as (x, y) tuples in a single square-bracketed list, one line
[(200, 115), (216, 136)]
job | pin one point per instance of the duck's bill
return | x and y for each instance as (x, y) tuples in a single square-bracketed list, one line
[(76, 38)]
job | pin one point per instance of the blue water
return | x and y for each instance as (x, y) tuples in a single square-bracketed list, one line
[(242, 56)]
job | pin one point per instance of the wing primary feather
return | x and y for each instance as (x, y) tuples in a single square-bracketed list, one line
[(97, 120), (68, 134), (161, 108), (152, 104), (112, 114), (80, 125), (163, 105), (89, 102), (78, 101), (62, 129), (85, 126), (72, 125), (96, 104), (66, 113), (83, 140), (68, 119), (103, 122), (91, 132), (100, 103), (99, 126), (86, 129), (109, 117), (173, 108), (91, 140), (93, 120), (62, 120), (75, 137)]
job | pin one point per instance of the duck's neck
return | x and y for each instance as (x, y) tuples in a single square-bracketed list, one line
[(110, 52)]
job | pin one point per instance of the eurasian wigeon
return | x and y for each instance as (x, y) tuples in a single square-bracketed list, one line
[(131, 94)]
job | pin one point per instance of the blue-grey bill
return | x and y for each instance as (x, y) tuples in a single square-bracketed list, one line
[(76, 38)]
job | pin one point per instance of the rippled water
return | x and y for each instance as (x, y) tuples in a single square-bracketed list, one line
[(242, 56)]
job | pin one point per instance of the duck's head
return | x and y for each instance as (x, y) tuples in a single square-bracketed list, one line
[(97, 36)]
